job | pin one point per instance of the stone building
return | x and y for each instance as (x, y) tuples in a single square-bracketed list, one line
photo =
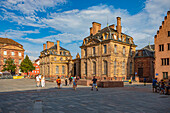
[(11, 49), (56, 61), (144, 63), (162, 49), (107, 53)]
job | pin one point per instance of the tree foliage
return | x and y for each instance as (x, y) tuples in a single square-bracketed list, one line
[(9, 66), (26, 65)]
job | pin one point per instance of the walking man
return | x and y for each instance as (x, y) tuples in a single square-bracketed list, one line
[(94, 83)]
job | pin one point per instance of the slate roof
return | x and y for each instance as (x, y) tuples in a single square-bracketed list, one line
[(148, 51), (104, 30), (9, 41)]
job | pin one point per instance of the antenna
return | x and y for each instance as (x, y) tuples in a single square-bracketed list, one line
[(107, 21), (5, 34)]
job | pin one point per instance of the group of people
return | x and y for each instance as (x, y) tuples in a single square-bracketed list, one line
[(162, 86), (40, 81), (74, 79)]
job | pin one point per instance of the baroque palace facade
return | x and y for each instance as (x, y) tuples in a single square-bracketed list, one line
[(107, 53), (11, 49), (57, 61), (162, 50)]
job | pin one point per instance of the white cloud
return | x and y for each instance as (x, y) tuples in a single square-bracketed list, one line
[(74, 24)]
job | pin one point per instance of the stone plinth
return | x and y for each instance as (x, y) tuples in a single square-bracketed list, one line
[(84, 82), (107, 84)]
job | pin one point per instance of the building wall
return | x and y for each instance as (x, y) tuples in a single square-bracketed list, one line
[(110, 57), (16, 57), (162, 38), (147, 64)]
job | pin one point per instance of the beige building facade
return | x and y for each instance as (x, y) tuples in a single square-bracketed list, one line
[(162, 49), (54, 60), (107, 53), (11, 49)]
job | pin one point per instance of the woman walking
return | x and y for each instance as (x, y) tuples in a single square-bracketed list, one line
[(43, 81), (74, 83)]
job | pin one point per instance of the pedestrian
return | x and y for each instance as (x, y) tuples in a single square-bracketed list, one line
[(58, 81), (130, 81), (70, 80), (167, 87), (154, 85), (144, 80), (42, 81), (74, 83), (66, 81), (94, 83), (38, 81), (162, 86)]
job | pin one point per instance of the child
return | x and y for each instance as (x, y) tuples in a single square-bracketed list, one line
[(74, 83), (58, 81)]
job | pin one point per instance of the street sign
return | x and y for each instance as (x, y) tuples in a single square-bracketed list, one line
[(156, 74), (135, 73)]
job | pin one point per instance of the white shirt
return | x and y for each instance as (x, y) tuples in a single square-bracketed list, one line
[(37, 78)]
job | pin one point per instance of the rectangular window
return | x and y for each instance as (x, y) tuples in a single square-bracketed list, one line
[(63, 69), (130, 67), (123, 50), (165, 75), (19, 61), (115, 67), (105, 67), (4, 60), (105, 49), (130, 51), (123, 67), (19, 53), (85, 52), (5, 53), (165, 61), (168, 33), (57, 69), (12, 53), (94, 67), (115, 49), (161, 47), (168, 46), (85, 68), (94, 51)]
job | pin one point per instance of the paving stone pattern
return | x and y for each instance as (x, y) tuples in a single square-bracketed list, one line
[(129, 99)]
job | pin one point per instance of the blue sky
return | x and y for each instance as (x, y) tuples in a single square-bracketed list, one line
[(33, 22)]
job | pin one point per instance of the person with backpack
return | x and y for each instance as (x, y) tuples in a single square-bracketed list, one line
[(58, 81)]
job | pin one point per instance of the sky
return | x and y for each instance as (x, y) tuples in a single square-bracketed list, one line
[(33, 22)]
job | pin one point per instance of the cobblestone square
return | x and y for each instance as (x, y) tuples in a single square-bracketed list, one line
[(21, 96)]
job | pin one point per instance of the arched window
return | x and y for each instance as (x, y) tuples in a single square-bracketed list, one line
[(105, 67), (115, 49), (63, 69), (94, 67), (57, 69)]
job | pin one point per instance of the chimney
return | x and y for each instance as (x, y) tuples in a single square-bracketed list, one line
[(58, 47), (118, 27), (112, 26), (91, 31), (96, 27), (44, 46), (168, 14), (49, 44)]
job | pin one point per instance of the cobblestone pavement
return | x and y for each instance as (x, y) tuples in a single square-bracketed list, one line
[(129, 99)]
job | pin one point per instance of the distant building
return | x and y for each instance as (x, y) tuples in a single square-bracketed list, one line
[(37, 68), (162, 49), (144, 63), (107, 53), (11, 49), (55, 60)]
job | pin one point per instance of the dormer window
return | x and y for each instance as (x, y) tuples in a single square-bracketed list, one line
[(115, 37)]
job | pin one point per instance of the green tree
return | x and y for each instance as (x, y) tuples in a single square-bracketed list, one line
[(26, 65), (9, 66)]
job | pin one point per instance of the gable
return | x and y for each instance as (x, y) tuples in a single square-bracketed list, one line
[(93, 42), (12, 47)]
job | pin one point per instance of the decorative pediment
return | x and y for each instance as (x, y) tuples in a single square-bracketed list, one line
[(93, 41), (13, 47)]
